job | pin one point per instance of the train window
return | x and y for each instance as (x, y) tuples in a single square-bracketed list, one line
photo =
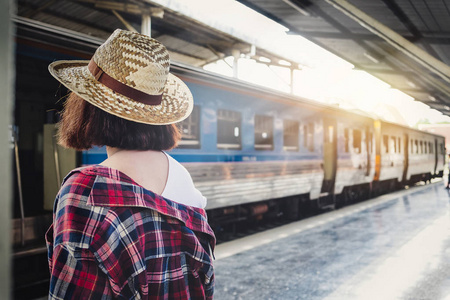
[(421, 147), (308, 138), (190, 130), (425, 147), (357, 140), (263, 132), (386, 143), (393, 145), (228, 129), (416, 146), (290, 135), (431, 147), (412, 146), (346, 148), (399, 145)]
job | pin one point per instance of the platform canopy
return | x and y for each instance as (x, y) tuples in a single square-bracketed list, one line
[(404, 43)]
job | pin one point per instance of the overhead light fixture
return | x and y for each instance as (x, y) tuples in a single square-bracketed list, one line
[(411, 84), (284, 63), (264, 59), (297, 8), (431, 98), (252, 50), (371, 58)]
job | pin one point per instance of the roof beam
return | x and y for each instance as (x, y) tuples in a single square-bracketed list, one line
[(388, 71), (87, 40), (317, 11), (398, 12), (110, 5), (366, 37), (428, 61), (124, 22), (417, 35), (39, 9), (335, 35), (67, 17)]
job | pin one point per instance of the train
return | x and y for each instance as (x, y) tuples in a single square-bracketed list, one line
[(254, 153), (251, 150)]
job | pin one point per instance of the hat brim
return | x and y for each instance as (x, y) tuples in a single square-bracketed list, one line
[(176, 105)]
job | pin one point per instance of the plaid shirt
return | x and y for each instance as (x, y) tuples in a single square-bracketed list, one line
[(111, 238)]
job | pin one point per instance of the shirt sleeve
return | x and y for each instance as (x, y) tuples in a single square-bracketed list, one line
[(76, 275)]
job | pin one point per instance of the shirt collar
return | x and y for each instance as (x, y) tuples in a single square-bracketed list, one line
[(113, 188)]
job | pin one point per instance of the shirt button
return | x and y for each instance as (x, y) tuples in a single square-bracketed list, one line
[(206, 280)]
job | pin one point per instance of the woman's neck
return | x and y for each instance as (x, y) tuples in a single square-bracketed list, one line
[(149, 168), (110, 151)]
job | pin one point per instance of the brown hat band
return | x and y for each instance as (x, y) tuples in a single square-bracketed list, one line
[(121, 88)]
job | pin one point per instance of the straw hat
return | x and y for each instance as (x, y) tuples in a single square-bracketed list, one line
[(128, 76)]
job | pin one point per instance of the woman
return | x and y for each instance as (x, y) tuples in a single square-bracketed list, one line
[(133, 227)]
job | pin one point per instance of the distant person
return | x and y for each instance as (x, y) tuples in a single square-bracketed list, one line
[(134, 226)]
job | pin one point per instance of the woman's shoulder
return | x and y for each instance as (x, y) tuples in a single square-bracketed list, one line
[(84, 176), (73, 197), (72, 212), (78, 181)]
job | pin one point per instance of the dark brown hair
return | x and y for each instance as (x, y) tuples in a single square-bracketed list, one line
[(84, 125)]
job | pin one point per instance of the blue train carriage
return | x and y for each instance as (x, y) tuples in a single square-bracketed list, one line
[(250, 147)]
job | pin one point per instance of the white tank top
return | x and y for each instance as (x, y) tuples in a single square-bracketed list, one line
[(180, 187)]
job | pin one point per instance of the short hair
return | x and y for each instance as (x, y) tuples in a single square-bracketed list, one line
[(83, 125)]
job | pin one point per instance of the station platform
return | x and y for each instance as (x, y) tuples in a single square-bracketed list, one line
[(395, 246)]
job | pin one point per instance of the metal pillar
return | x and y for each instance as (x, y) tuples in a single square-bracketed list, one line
[(236, 54), (145, 13), (6, 85), (291, 80), (124, 22), (146, 25)]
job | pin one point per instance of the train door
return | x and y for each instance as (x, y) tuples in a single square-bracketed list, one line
[(329, 155), (406, 160)]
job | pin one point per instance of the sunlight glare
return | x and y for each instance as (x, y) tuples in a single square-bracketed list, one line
[(318, 74), (403, 270)]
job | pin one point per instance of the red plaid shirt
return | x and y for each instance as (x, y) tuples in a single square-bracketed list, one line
[(111, 238)]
